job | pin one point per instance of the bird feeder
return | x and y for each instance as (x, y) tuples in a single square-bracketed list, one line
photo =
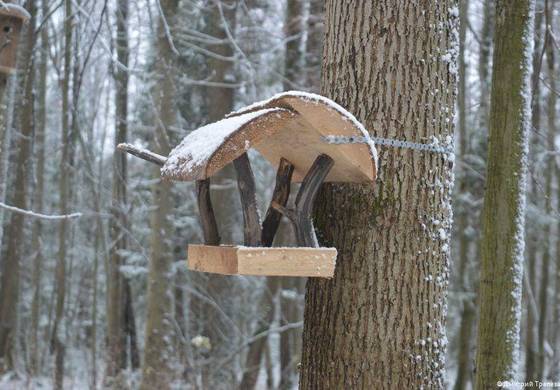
[(290, 131), (12, 19)]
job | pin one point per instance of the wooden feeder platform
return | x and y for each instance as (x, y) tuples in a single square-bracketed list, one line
[(242, 260), (291, 130)]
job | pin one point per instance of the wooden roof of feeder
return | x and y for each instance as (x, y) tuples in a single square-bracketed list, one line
[(15, 10), (291, 125)]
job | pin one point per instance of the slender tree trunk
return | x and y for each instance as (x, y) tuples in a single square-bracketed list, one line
[(314, 44), (293, 66), (504, 202), (221, 22), (257, 349), (550, 168), (57, 344), (9, 291), (531, 345), (467, 315), (157, 371), (546, 238), (117, 340), (380, 323), (36, 246)]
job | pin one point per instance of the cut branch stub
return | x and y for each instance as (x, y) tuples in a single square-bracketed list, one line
[(279, 199), (144, 154), (206, 211), (247, 192)]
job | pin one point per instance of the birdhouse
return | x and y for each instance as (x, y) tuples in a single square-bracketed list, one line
[(290, 130), (12, 19)]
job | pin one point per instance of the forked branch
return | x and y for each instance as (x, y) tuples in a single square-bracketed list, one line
[(278, 203), (206, 212), (247, 192)]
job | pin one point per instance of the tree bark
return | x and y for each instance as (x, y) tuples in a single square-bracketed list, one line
[(380, 322), (504, 201)]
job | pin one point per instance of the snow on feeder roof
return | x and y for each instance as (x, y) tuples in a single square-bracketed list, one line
[(290, 125)]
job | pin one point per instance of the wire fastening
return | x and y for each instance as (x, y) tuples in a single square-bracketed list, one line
[(341, 139)]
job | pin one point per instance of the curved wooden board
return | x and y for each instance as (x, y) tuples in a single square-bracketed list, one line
[(210, 148), (302, 139), (291, 125)]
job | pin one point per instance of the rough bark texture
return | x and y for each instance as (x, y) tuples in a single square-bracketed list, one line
[(503, 211), (380, 322), (157, 370)]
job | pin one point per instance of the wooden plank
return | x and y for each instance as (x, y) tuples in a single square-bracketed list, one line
[(231, 260), (214, 259), (311, 262)]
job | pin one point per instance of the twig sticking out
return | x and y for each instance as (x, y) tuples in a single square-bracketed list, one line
[(144, 154), (206, 211), (247, 192), (301, 216), (280, 198)]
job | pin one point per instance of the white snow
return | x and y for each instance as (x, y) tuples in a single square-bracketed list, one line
[(313, 97), (197, 147), (15, 9)]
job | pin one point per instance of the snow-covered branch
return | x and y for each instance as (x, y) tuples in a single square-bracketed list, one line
[(33, 214)]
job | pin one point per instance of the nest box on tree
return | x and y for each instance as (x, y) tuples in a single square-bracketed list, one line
[(12, 19), (289, 130)]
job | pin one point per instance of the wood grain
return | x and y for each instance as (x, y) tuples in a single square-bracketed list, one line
[(231, 260)]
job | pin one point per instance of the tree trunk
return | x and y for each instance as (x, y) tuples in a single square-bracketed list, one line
[(157, 371), (467, 313), (380, 322), (503, 212), (545, 238), (117, 340), (224, 197), (293, 64), (533, 235), (314, 44), (36, 246), (9, 292), (550, 168)]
